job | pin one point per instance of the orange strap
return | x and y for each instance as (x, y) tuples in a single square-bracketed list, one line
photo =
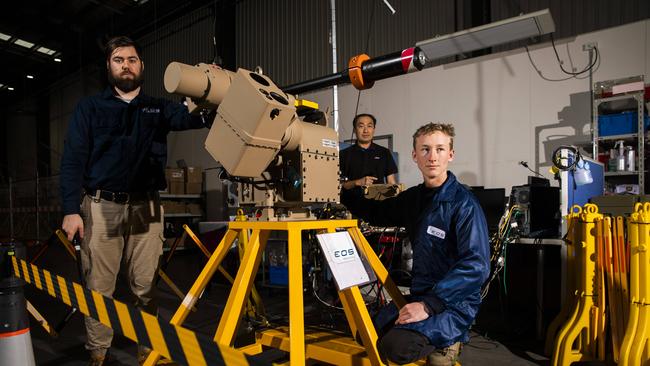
[(355, 72), (12, 334)]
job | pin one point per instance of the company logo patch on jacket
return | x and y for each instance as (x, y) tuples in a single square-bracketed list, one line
[(150, 110), (432, 230)]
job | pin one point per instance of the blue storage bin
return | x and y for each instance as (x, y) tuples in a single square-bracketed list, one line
[(619, 123), (279, 275)]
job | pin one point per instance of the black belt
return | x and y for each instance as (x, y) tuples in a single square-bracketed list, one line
[(121, 197)]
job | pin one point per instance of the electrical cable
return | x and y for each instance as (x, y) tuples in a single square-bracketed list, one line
[(573, 75), (561, 64), (372, 18), (215, 59), (539, 72), (525, 165), (557, 157), (498, 243)]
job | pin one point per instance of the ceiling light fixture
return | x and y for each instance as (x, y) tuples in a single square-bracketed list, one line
[(30, 76), (56, 59), (23, 43), (46, 51), (10, 88), (513, 29), (5, 37)]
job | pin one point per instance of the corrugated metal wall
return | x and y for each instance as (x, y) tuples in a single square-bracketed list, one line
[(188, 40), (574, 17), (290, 38), (367, 26)]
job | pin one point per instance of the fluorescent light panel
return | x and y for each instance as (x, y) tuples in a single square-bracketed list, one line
[(23, 43), (5, 37), (46, 51), (504, 31)]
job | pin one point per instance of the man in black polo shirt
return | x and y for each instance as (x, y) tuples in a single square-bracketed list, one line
[(112, 169), (366, 163)]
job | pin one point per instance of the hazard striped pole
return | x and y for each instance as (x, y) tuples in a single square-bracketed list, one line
[(15, 338)]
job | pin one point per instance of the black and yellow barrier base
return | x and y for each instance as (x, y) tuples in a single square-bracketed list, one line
[(172, 342)]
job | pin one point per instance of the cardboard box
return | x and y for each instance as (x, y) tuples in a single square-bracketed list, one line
[(194, 209), (175, 174), (194, 174), (173, 207), (176, 187), (193, 188)]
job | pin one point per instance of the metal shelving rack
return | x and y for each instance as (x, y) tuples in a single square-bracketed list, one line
[(638, 137)]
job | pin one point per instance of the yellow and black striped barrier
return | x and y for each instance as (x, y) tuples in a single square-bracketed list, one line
[(176, 343)]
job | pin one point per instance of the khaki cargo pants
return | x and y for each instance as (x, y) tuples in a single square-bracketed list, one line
[(116, 233)]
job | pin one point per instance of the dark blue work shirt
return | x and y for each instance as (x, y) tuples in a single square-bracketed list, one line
[(375, 161), (117, 146)]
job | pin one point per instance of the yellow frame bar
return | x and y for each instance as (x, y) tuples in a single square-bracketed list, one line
[(354, 306)]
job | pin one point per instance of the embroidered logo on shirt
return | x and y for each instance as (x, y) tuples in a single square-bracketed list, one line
[(150, 110), (432, 230)]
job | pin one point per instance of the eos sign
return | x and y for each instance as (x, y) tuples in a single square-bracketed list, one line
[(343, 259), (343, 253)]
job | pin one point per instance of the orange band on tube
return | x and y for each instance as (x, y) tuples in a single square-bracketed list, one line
[(355, 72)]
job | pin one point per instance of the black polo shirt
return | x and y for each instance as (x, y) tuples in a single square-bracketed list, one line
[(117, 146), (375, 161)]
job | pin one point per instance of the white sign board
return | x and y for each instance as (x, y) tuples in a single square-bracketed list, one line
[(343, 259)]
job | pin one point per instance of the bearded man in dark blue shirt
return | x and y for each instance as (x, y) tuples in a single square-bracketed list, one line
[(112, 169)]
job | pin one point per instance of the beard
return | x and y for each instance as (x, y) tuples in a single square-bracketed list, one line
[(126, 85)]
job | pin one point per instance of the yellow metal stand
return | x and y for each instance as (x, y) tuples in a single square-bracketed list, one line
[(572, 240), (302, 345), (577, 339), (255, 308), (635, 348)]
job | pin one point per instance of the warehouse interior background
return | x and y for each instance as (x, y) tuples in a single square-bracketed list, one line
[(508, 103)]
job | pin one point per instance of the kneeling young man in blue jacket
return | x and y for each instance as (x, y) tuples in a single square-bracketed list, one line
[(451, 256)]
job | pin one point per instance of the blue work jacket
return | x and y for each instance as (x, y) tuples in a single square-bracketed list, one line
[(451, 256)]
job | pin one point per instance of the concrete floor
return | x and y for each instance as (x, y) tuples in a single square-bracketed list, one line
[(493, 341)]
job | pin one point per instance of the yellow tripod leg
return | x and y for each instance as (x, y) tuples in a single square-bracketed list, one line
[(296, 304), (377, 266), (172, 285), (197, 288), (359, 312), (241, 288), (66, 243), (40, 319), (258, 308)]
